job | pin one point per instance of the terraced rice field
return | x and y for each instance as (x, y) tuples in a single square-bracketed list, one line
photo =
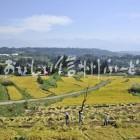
[(14, 93), (30, 85), (115, 92), (69, 84)]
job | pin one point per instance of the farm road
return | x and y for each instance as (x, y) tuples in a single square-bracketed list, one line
[(72, 94)]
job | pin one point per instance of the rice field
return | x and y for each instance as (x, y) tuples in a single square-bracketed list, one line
[(69, 84), (64, 86), (115, 92), (71, 134), (48, 122), (14, 93), (30, 85)]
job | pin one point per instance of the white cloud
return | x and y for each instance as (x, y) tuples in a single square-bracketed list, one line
[(40, 23)]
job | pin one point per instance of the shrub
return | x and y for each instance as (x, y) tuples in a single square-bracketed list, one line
[(78, 77), (19, 138), (51, 82), (135, 88), (25, 104), (39, 80), (7, 83), (56, 76)]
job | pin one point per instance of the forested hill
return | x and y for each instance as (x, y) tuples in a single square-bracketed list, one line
[(57, 51), (51, 54)]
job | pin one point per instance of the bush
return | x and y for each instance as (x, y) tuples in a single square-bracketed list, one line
[(135, 88), (51, 82), (56, 76), (39, 80), (7, 83), (25, 104), (20, 138), (78, 77)]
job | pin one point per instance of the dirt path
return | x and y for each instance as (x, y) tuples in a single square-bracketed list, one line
[(77, 93)]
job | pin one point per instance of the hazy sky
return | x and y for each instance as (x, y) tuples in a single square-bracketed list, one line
[(106, 24)]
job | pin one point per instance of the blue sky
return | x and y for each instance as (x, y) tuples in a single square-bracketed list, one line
[(105, 24)]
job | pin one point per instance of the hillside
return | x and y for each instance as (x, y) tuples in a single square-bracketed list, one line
[(57, 51)]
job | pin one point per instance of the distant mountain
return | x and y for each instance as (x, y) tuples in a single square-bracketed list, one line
[(58, 51), (51, 54), (130, 52), (29, 51)]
